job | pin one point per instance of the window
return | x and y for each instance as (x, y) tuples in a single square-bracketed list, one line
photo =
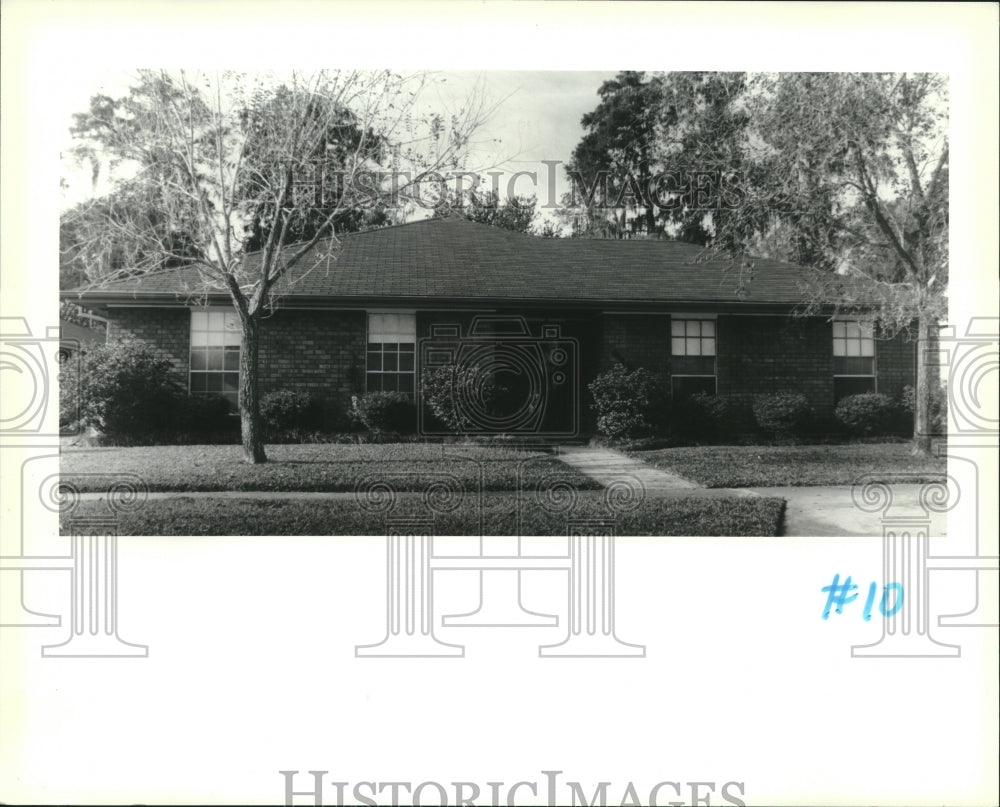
[(391, 351), (692, 349), (853, 358), (692, 337), (215, 353)]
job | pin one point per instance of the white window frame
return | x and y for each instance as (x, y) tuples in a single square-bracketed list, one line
[(215, 327), (686, 337), (405, 336), (864, 336)]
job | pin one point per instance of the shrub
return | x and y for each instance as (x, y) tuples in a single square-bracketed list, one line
[(699, 417), (71, 414), (386, 412), (205, 418), (938, 420), (867, 414), (123, 389), (628, 403), (782, 414), (289, 411), (438, 386)]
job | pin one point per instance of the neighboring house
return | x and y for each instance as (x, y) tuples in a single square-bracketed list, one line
[(74, 338), (355, 322)]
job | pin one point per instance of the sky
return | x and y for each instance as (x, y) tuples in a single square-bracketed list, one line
[(537, 117)]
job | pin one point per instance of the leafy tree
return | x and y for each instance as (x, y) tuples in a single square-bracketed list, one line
[(85, 257), (700, 148), (851, 174), (219, 164), (613, 161), (847, 173), (656, 155), (549, 230), (517, 214)]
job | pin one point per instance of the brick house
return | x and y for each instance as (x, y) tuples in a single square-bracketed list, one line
[(365, 319)]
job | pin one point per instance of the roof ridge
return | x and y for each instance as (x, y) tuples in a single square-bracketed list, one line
[(381, 229)]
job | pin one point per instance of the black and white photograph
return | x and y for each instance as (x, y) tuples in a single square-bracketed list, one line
[(551, 343), (365, 284)]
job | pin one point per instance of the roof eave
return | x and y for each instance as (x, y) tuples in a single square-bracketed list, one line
[(107, 299)]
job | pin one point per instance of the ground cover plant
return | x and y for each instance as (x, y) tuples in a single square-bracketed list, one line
[(500, 514), (316, 467), (767, 466)]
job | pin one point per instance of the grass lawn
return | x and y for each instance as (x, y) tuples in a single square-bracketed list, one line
[(499, 516), (769, 466), (315, 467)]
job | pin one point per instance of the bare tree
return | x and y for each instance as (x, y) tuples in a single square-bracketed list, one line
[(240, 183)]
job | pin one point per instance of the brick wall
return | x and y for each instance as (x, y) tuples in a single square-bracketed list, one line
[(168, 330), (322, 352), (758, 355), (769, 354), (635, 340), (319, 351), (755, 355), (895, 363)]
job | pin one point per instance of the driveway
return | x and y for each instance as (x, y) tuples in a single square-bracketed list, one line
[(830, 511)]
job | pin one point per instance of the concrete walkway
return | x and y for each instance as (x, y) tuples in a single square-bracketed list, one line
[(607, 466)]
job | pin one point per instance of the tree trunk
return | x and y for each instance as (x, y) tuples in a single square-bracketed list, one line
[(927, 375), (251, 427)]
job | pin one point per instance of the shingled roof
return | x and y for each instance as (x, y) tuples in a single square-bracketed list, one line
[(453, 260)]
